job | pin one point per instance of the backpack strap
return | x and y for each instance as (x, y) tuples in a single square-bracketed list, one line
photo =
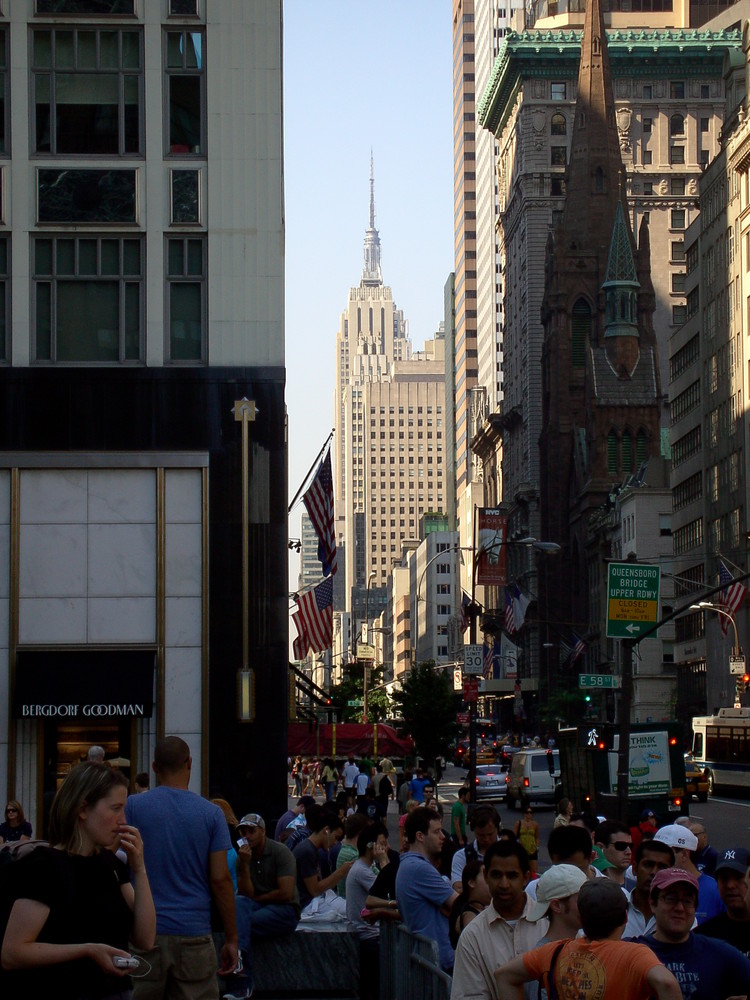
[(552, 993)]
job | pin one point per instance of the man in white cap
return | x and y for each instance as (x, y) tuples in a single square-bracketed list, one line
[(267, 900), (684, 842), (557, 900)]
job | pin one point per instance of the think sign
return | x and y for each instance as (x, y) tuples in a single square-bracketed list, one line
[(632, 599)]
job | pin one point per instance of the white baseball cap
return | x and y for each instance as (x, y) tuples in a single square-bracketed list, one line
[(678, 837), (557, 882)]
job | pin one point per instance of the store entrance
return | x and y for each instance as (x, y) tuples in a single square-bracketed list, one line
[(67, 744)]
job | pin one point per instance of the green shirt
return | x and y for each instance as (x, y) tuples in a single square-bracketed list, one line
[(347, 853), (275, 862), (459, 810)]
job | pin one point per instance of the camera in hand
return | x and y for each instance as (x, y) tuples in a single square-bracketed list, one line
[(120, 962)]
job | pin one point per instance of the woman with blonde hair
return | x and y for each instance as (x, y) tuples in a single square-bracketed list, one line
[(74, 908), (16, 829)]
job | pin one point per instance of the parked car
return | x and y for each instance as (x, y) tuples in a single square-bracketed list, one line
[(696, 782), (530, 779), (485, 754), (490, 781)]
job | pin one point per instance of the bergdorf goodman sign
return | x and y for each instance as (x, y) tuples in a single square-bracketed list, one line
[(73, 711)]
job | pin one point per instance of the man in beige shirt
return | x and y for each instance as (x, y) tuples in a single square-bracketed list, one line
[(502, 931)]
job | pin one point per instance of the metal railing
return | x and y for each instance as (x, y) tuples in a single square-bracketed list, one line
[(410, 966)]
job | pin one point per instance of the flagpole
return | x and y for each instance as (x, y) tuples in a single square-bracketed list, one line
[(310, 471)]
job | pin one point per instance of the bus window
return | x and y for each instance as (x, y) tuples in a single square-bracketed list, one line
[(698, 745)]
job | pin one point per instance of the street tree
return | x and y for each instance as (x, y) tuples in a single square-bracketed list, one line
[(428, 707), (351, 688)]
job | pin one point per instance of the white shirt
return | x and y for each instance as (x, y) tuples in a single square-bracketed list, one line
[(488, 941), (349, 774)]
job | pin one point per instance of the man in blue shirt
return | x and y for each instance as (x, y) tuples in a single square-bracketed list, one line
[(417, 786), (705, 968), (425, 896), (185, 844)]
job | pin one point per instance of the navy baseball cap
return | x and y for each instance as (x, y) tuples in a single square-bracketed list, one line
[(734, 859)]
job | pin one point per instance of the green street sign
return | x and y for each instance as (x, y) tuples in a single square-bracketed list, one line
[(355, 703), (599, 681), (632, 599)]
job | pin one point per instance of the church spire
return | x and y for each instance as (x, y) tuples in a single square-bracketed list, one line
[(595, 172), (371, 273)]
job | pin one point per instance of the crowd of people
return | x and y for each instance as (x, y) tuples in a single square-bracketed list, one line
[(155, 880)]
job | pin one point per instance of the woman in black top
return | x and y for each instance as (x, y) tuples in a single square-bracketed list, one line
[(16, 828), (473, 898), (71, 909)]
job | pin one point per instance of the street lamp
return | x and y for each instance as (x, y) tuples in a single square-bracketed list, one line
[(708, 606), (365, 663)]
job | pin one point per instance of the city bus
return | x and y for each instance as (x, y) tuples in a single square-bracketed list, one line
[(721, 748)]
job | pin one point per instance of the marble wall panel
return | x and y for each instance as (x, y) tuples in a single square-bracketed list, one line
[(54, 496), (4, 496), (4, 560), (182, 688), (183, 621), (121, 619), (122, 496), (122, 560), (52, 619), (183, 496), (183, 560), (53, 560)]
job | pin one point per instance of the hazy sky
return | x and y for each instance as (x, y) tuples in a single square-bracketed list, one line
[(360, 74)]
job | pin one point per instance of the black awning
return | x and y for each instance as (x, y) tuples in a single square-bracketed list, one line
[(84, 684)]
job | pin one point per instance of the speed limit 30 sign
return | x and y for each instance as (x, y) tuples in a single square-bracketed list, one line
[(473, 662)]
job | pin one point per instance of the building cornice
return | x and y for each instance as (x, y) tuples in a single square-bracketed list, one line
[(545, 54)]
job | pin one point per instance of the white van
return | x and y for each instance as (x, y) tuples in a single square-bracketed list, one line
[(530, 779)]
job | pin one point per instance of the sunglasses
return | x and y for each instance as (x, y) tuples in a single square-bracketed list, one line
[(622, 845), (11, 810)]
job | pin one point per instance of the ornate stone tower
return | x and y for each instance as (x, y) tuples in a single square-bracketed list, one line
[(600, 377)]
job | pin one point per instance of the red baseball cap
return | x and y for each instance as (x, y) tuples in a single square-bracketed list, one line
[(671, 876)]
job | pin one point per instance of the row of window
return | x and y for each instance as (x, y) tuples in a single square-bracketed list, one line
[(620, 452), (89, 295), (88, 91), (559, 90), (109, 8)]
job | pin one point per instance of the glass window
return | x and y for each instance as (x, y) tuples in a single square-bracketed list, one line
[(86, 196), (677, 90), (558, 124), (677, 218), (677, 185), (676, 154), (87, 91), (186, 298), (185, 68), (648, 187), (558, 91), (648, 91), (648, 157), (678, 282), (183, 8), (676, 125), (185, 197), (4, 103), (679, 315), (648, 124), (677, 249), (558, 156), (4, 299), (100, 8), (88, 295)]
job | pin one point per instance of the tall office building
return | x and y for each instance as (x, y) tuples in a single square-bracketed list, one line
[(667, 122), (141, 242), (388, 443)]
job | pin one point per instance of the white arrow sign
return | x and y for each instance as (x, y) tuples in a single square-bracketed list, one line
[(632, 628)]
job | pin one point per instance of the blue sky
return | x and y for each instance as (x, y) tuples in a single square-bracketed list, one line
[(360, 74)]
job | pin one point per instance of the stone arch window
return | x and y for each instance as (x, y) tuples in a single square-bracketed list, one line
[(558, 124), (581, 330), (677, 125), (640, 447), (370, 320), (613, 453), (599, 180), (626, 451), (359, 319)]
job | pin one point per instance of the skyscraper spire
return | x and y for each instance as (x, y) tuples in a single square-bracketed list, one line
[(371, 273)]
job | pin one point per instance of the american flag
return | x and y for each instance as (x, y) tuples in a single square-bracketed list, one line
[(319, 503), (314, 620), (579, 646), (510, 618), (731, 597)]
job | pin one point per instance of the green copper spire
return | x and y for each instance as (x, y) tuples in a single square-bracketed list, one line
[(621, 283)]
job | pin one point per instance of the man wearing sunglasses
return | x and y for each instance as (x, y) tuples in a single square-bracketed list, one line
[(616, 843), (705, 968)]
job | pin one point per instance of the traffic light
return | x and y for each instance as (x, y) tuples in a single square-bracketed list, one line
[(745, 681), (596, 736)]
